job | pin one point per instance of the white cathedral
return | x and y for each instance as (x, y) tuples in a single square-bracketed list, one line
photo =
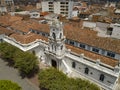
[(54, 53)]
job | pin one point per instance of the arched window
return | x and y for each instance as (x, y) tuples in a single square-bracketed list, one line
[(101, 77), (60, 35), (61, 47), (52, 47), (55, 48), (54, 36), (73, 64), (86, 70)]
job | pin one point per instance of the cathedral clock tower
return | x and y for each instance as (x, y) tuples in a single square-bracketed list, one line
[(57, 39), (56, 47)]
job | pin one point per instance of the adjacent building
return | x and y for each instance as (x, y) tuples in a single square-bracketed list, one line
[(63, 7), (6, 6)]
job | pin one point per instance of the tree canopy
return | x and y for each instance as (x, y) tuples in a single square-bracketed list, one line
[(7, 51), (53, 79), (26, 62), (9, 85)]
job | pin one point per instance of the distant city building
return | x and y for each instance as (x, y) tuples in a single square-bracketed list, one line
[(38, 6), (6, 5), (63, 7)]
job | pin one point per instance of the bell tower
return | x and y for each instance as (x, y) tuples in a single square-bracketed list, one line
[(55, 51), (56, 39)]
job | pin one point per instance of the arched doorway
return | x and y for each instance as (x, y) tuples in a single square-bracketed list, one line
[(54, 63)]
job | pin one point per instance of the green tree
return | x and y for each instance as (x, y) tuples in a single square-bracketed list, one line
[(8, 85), (2, 48), (7, 51), (53, 79), (26, 62)]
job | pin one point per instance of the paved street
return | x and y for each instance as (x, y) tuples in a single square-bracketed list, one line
[(9, 73)]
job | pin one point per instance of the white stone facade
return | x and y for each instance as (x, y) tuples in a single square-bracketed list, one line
[(55, 54), (63, 7), (6, 5), (102, 28), (116, 31), (75, 13), (3, 9)]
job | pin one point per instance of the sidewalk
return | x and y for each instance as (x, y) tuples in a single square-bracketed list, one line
[(9, 73)]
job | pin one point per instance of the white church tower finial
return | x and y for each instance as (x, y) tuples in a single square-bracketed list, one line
[(57, 38)]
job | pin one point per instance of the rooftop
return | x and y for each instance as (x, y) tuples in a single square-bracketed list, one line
[(72, 30), (90, 37), (5, 31), (94, 56), (8, 20), (28, 38)]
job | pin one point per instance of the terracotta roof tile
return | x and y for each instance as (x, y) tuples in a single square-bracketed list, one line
[(23, 26), (8, 20), (28, 38), (94, 56), (40, 27), (90, 37), (72, 31), (44, 13), (5, 31)]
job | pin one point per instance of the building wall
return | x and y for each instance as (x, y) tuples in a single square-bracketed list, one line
[(93, 74), (70, 8), (102, 28), (45, 6), (38, 51), (57, 7), (74, 13), (117, 56), (116, 31), (67, 10), (38, 6), (3, 9)]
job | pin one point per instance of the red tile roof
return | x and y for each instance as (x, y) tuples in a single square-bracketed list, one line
[(5, 31), (40, 27), (23, 26), (28, 38), (94, 56), (44, 13), (8, 20), (90, 37), (72, 31)]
